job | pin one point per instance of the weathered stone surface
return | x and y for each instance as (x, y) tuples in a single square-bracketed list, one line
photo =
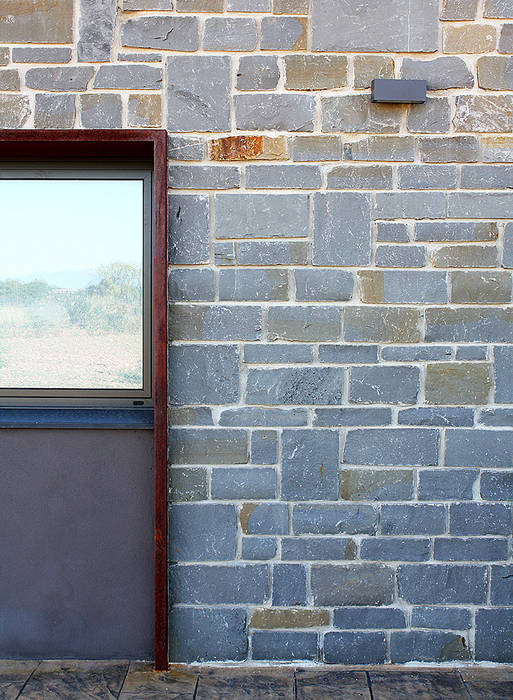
[(503, 367), (459, 9), (497, 486), (230, 34), (394, 287), (347, 519), (372, 26), (169, 33), (135, 5), (323, 285), (437, 416), (394, 385), (54, 111), (235, 484), (455, 149), (264, 519), (480, 287), (258, 73), (457, 383), (344, 353), (303, 323), (441, 618), (198, 93), (5, 54), (59, 79), (185, 148), (401, 256), (261, 216), (501, 9), (465, 256), (469, 325), (101, 111), (434, 116), (306, 72), (472, 352), (356, 113), (428, 177), (253, 285), (202, 532), (144, 57), (199, 5), (485, 176), (274, 112), (259, 548), (470, 548), (284, 646), (9, 79), (248, 148), (207, 634), (208, 374), (310, 460), (248, 5), (286, 618), (254, 417), (96, 28), (356, 177), (369, 618), (497, 149), (414, 519), (215, 322), (506, 39), (439, 584), (224, 253), (495, 73), (480, 519), (411, 205), (314, 148), (415, 353), (196, 415), (392, 231), (434, 646), (188, 229), (376, 485), (128, 77), (354, 648), (144, 110), (478, 448), (208, 446), (389, 148), (494, 635), (456, 231), (283, 177), (357, 584), (317, 548), (497, 416), (43, 54), (291, 7), (395, 549), (387, 325), (368, 68), (283, 33), (392, 447), (342, 229), (32, 21), (289, 585), (440, 73), (469, 38), (484, 113), (264, 447), (218, 584), (502, 585), (278, 353), (302, 386), (329, 417), (188, 484)]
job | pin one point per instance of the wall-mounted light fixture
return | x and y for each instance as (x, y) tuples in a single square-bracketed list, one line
[(399, 91)]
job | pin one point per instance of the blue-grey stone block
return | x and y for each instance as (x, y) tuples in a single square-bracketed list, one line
[(447, 484), (188, 229), (457, 149), (46, 54), (470, 549), (101, 111), (289, 585), (501, 585), (243, 483), (413, 519), (162, 32), (218, 584), (392, 447), (274, 111), (317, 548), (259, 548), (496, 417), (334, 417), (503, 371), (382, 384), (381, 324), (253, 285), (287, 385), (494, 635), (190, 416), (96, 26), (261, 215), (203, 177), (438, 584), (281, 33), (207, 446), (264, 447), (214, 322), (310, 460), (256, 417), (324, 285), (265, 519), (401, 256), (441, 618), (203, 374), (497, 486), (187, 485), (202, 532), (479, 448), (480, 519), (410, 205), (485, 177), (442, 416), (354, 648), (283, 177), (354, 618), (352, 584), (342, 229), (284, 646), (303, 323), (439, 231), (467, 325), (185, 148), (381, 148), (312, 519), (207, 634), (395, 549), (416, 353), (391, 231), (346, 354), (471, 352), (273, 252), (314, 148), (258, 73), (360, 177), (428, 177), (191, 285), (396, 286), (128, 77), (441, 73), (432, 117), (277, 353), (479, 205), (230, 34), (417, 645), (507, 255)]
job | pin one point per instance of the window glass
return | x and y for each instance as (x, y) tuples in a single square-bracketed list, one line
[(71, 283)]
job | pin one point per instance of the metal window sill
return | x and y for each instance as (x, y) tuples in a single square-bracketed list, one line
[(91, 418)]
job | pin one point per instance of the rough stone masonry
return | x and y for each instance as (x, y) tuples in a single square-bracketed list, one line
[(341, 319)]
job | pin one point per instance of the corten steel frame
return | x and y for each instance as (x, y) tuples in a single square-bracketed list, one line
[(128, 144)]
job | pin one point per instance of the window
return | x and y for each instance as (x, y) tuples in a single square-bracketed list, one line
[(75, 284)]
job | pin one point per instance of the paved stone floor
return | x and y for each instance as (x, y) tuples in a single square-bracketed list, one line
[(45, 680)]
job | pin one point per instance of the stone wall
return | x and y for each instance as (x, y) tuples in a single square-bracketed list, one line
[(341, 394)]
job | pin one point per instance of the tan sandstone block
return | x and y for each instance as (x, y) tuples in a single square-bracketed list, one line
[(469, 38), (315, 72), (276, 618), (36, 21), (291, 7), (450, 383), (144, 110), (248, 148)]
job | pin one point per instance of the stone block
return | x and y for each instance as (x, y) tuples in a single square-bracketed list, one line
[(392, 446), (283, 34), (284, 646), (392, 231), (440, 73), (346, 354), (480, 287), (215, 322), (480, 518), (506, 39), (497, 417), (101, 111), (494, 635), (501, 585), (188, 229), (235, 484), (469, 38), (168, 33), (467, 325), (441, 618), (415, 353), (384, 384), (395, 549), (291, 7), (501, 9), (446, 484), (188, 484), (310, 72), (471, 352), (453, 149), (457, 383), (495, 73), (289, 585), (190, 415), (208, 634), (369, 618), (337, 417), (317, 548), (347, 519), (144, 110), (224, 253), (401, 256), (478, 448), (199, 5), (191, 284), (352, 584), (413, 519), (368, 68), (5, 55), (96, 30), (354, 648), (128, 77), (32, 22), (459, 9), (356, 113), (202, 532), (310, 460), (269, 618), (43, 54), (70, 79), (283, 176), (259, 548), (258, 73), (485, 176), (230, 34), (255, 417), (376, 485), (484, 113), (272, 253), (218, 584), (394, 287), (303, 323), (264, 518), (323, 285), (185, 148), (203, 177), (144, 57), (207, 446), (274, 112), (411, 205), (315, 148), (465, 256), (388, 148), (379, 324), (357, 177), (428, 177), (497, 486), (439, 584), (470, 549), (372, 26), (443, 416), (261, 215), (138, 5), (264, 447), (342, 229), (432, 117), (253, 285), (433, 646), (203, 374), (198, 92), (54, 111), (248, 5), (503, 367), (456, 231), (281, 353)]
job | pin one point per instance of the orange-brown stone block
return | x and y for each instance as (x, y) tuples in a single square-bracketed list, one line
[(248, 148)]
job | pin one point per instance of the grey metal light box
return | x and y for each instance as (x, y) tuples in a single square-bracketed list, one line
[(399, 91)]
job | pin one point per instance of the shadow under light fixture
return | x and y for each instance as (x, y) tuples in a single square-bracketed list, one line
[(399, 91)]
